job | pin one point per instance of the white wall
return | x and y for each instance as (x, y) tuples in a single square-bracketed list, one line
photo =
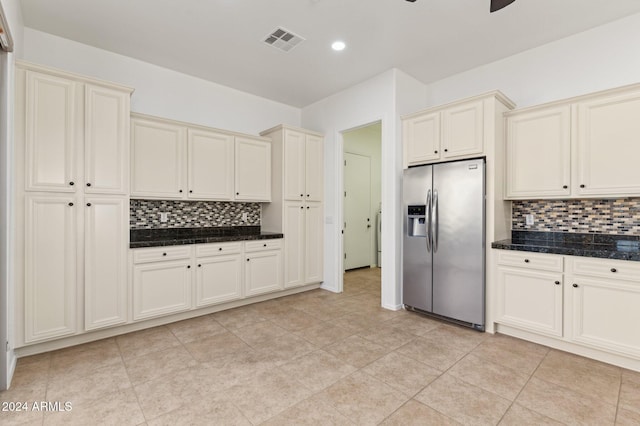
[(381, 98), (13, 16), (597, 59), (367, 141), (160, 91)]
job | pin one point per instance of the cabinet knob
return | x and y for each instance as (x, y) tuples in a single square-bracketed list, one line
[(301, 207), (446, 150), (564, 187), (164, 254), (199, 265), (190, 191), (247, 260), (526, 261), (575, 285), (302, 195), (307, 207), (88, 204), (72, 183), (219, 248), (70, 204), (614, 270), (307, 195), (237, 193), (88, 184), (180, 191), (435, 152), (582, 186), (188, 266), (557, 282), (264, 245)]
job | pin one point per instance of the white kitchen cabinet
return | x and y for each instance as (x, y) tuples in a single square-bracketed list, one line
[(453, 131), (608, 131), (52, 131), (602, 303), (539, 153), (161, 288), (50, 283), (106, 147), (297, 208), (421, 137), (218, 273), (210, 165), (105, 275), (263, 267), (313, 237), (294, 243), (463, 130), (157, 159), (253, 169)]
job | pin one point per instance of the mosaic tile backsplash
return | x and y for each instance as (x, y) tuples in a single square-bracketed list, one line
[(145, 214), (621, 216)]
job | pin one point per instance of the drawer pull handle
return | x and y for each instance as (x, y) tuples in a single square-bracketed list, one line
[(557, 282), (164, 254), (575, 285), (526, 261), (614, 270)]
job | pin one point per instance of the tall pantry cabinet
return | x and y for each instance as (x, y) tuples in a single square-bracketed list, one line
[(71, 203), (297, 208)]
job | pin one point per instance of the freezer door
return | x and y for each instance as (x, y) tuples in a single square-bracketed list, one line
[(459, 240), (416, 250)]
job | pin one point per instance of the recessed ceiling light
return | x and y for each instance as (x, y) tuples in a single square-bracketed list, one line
[(338, 45)]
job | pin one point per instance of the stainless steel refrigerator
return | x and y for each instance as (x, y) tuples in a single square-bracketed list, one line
[(444, 241)]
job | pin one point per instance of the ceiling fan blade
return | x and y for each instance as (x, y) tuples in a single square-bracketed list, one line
[(499, 4)]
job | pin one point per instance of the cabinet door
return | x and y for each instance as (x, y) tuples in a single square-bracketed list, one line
[(161, 288), (253, 170), (263, 272), (463, 130), (106, 241), (106, 147), (50, 266), (218, 279), (294, 165), (604, 314), (51, 133), (539, 154), (530, 300), (314, 168), (157, 163), (210, 165), (608, 146), (421, 138), (294, 248), (313, 242)]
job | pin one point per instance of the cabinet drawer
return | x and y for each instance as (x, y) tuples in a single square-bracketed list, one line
[(543, 262), (216, 249), (158, 254), (263, 245), (612, 269)]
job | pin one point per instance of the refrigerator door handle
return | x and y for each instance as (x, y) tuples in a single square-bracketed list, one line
[(435, 220), (429, 222)]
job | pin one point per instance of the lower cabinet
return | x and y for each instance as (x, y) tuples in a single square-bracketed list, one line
[(218, 273), (263, 267), (161, 288), (587, 302)]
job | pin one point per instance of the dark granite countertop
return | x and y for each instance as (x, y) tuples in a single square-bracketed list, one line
[(180, 236), (605, 246)]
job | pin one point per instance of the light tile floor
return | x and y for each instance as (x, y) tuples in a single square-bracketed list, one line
[(320, 358)]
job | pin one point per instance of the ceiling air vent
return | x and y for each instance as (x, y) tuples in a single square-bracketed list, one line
[(283, 39)]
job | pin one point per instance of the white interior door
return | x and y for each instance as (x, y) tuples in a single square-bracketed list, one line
[(358, 219)]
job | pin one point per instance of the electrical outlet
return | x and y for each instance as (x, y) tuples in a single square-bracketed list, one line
[(528, 220), (164, 217), (245, 216)]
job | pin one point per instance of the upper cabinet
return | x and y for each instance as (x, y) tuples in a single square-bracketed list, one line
[(450, 132), (173, 160), (76, 133), (303, 165), (539, 153), (583, 147)]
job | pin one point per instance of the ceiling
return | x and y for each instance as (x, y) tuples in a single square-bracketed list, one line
[(221, 40)]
